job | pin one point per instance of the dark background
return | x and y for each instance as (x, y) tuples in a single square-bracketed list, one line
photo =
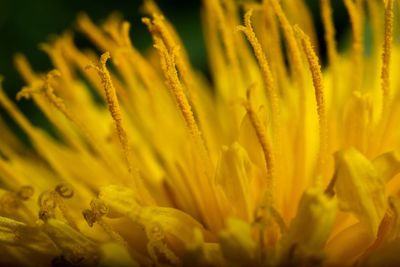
[(26, 23)]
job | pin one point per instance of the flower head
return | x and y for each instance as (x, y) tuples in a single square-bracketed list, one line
[(276, 162)]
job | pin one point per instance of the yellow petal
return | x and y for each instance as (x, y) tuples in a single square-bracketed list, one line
[(248, 140), (347, 245), (113, 254), (314, 220), (395, 228), (170, 221), (387, 165), (312, 225), (233, 175), (387, 255), (360, 189)]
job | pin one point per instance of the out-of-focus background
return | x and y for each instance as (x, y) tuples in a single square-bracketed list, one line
[(24, 24)]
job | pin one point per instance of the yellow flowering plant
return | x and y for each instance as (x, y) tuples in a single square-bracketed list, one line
[(274, 163)]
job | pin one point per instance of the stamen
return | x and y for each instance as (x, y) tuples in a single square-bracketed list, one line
[(112, 27), (265, 143), (266, 71), (80, 60), (48, 91), (316, 73), (386, 56), (145, 72), (160, 28), (329, 27), (150, 7), (175, 86), (299, 13), (59, 62), (113, 105), (270, 39), (296, 68), (116, 114), (294, 51), (376, 18), (226, 36), (93, 32), (356, 18)]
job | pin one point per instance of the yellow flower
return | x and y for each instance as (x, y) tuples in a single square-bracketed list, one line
[(273, 163)]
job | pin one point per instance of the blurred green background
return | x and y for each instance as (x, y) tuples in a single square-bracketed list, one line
[(26, 23)]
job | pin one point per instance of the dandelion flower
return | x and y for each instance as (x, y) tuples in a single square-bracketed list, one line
[(275, 162)]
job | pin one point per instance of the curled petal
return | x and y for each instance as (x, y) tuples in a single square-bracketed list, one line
[(311, 227), (360, 189), (387, 165)]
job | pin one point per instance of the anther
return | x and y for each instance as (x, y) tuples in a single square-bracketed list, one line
[(316, 74), (386, 57), (264, 141)]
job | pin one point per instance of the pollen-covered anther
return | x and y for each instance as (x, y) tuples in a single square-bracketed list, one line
[(264, 141), (39, 86)]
